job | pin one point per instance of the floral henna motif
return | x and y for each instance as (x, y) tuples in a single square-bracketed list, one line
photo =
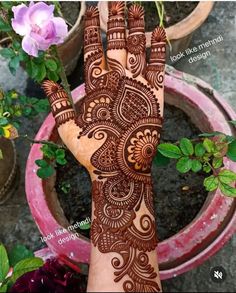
[(124, 112), (116, 26), (60, 105), (136, 41), (156, 66)]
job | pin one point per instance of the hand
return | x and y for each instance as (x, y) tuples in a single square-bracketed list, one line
[(115, 136)]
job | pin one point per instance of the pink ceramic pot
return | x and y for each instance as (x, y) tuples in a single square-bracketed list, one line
[(204, 236)]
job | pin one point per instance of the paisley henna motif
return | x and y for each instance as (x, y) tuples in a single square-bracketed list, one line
[(156, 66), (122, 114), (125, 113)]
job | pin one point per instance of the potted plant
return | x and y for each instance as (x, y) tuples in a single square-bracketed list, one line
[(69, 51), (179, 33), (190, 246)]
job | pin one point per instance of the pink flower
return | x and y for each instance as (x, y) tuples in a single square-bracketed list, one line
[(39, 28)]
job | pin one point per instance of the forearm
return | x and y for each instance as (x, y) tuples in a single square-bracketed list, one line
[(123, 254)]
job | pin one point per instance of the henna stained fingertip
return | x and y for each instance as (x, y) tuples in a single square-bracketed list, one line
[(61, 107)]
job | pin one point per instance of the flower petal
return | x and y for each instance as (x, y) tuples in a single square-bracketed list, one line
[(20, 21), (40, 12), (61, 29), (30, 46)]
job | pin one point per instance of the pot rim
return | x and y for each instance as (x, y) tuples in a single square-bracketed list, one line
[(179, 30), (184, 250), (77, 23)]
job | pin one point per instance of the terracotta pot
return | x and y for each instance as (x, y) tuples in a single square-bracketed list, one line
[(179, 34), (8, 169), (70, 50), (204, 236)]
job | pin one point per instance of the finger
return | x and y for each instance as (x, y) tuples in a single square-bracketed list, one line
[(63, 113), (136, 41), (116, 39), (61, 107), (93, 51), (156, 67)]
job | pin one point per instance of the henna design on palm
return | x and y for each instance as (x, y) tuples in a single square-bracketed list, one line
[(115, 136)]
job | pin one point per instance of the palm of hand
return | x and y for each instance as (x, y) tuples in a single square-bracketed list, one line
[(115, 135)]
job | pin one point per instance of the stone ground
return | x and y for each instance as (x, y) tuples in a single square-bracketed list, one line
[(219, 69)]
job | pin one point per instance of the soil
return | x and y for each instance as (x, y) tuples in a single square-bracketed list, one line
[(175, 207), (70, 11), (174, 12)]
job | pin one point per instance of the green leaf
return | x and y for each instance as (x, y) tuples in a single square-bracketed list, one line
[(7, 4), (3, 289), (217, 162), (14, 64), (211, 183), (51, 64), (41, 106), (18, 253), (48, 151), (211, 134), (34, 69), (227, 190), (227, 176), (41, 163), (206, 168), (45, 172), (3, 121), (61, 161), (41, 72), (7, 53), (208, 145), (60, 153), (26, 265), (160, 160), (199, 150), (85, 226), (52, 76), (170, 150), (27, 111), (186, 146), (184, 164), (4, 263), (4, 27), (231, 153), (196, 166)]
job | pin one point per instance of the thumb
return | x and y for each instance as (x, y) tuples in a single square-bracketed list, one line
[(64, 114), (61, 107)]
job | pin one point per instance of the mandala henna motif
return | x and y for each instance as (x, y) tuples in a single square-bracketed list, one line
[(127, 115), (156, 66), (124, 115)]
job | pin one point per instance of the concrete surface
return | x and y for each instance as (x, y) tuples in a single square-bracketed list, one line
[(219, 69)]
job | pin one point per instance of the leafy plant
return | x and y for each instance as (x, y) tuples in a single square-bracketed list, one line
[(205, 154), (53, 154), (19, 261), (13, 106)]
